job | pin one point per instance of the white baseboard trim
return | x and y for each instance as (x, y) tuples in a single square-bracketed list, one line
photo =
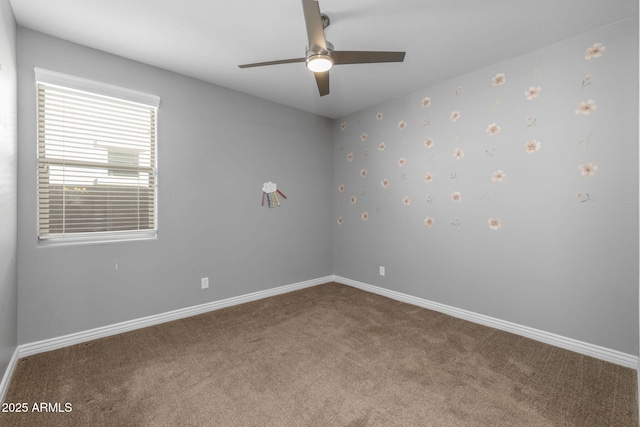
[(4, 385), (581, 347), (118, 328)]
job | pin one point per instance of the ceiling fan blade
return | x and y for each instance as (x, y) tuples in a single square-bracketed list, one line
[(281, 61), (322, 79), (313, 22), (365, 57)]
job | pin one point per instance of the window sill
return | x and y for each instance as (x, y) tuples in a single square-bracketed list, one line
[(93, 240)]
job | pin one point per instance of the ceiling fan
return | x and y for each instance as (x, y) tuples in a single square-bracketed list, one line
[(321, 57)]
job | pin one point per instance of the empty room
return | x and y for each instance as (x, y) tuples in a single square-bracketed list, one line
[(319, 213)]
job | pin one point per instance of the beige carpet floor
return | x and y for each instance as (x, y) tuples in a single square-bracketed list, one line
[(329, 355)]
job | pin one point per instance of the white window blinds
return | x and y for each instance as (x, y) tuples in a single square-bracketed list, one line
[(96, 159)]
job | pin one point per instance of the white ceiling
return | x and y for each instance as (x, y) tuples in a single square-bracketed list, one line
[(207, 39)]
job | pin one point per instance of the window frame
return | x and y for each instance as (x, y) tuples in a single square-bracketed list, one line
[(92, 88)]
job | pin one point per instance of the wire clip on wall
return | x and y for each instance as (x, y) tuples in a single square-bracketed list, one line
[(270, 192)]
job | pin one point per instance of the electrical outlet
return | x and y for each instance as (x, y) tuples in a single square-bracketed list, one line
[(381, 270), (204, 282)]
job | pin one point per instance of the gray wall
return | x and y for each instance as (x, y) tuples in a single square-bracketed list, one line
[(8, 188), (216, 149), (565, 259)]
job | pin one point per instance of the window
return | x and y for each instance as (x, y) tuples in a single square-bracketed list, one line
[(97, 175)]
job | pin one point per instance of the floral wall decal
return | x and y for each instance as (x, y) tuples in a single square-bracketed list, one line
[(584, 197), (586, 140), (550, 165), (532, 92), (495, 223), (588, 169), (493, 129), (586, 107), (498, 176), (531, 121), (595, 51), (490, 152), (532, 146), (498, 80)]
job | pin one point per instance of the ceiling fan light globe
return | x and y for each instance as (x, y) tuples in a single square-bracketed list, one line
[(319, 63)]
